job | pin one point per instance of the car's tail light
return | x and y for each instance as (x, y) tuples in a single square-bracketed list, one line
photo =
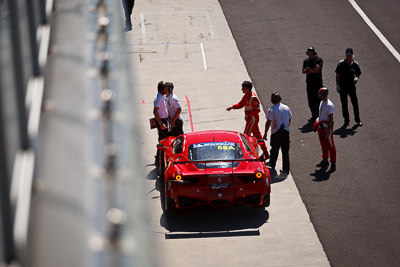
[(178, 176), (259, 174)]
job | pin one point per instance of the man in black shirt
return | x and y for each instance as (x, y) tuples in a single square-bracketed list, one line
[(347, 74), (312, 67)]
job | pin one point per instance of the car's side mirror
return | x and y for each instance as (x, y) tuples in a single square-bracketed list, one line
[(260, 141), (161, 147)]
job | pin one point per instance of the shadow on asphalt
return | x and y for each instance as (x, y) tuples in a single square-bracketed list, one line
[(343, 132), (152, 175), (275, 178), (211, 234), (321, 175), (204, 222), (307, 127)]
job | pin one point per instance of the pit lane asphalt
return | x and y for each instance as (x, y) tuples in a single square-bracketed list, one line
[(354, 210), (190, 44)]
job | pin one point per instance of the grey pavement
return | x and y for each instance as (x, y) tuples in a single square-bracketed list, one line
[(190, 44)]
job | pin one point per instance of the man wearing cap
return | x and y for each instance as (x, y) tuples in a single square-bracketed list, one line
[(251, 105), (347, 75), (312, 67), (279, 117)]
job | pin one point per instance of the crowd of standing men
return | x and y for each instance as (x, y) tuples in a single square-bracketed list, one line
[(322, 109), (347, 75), (167, 110)]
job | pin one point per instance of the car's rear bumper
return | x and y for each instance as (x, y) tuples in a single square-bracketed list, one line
[(186, 196)]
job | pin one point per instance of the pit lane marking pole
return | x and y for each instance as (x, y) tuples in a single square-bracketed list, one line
[(190, 112)]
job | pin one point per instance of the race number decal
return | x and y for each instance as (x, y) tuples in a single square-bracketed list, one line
[(226, 147), (219, 145)]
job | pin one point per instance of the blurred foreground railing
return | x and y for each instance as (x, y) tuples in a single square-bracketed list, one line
[(24, 41), (109, 174)]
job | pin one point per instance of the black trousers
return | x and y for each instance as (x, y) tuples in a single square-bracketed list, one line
[(164, 133), (178, 129), (280, 140), (351, 91), (313, 99), (128, 6)]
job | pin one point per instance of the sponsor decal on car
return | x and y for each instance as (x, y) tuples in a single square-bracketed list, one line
[(219, 145)]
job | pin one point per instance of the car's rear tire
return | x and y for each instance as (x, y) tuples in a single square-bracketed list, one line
[(170, 204), (267, 200), (162, 196), (161, 164), (167, 204)]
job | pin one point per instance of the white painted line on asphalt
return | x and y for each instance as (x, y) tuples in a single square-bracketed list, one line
[(143, 27), (204, 56), (375, 30)]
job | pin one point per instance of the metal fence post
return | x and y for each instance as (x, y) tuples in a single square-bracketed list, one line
[(32, 39), (18, 75), (5, 205)]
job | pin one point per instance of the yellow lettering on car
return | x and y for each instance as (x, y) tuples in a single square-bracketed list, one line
[(226, 147)]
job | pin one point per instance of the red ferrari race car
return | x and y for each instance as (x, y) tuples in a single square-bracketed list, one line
[(215, 168)]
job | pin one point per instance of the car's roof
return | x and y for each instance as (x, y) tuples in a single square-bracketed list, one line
[(212, 136)]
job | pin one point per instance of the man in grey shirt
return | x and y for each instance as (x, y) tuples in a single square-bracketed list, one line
[(278, 118)]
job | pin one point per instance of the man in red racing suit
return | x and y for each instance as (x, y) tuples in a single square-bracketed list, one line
[(251, 105), (324, 126)]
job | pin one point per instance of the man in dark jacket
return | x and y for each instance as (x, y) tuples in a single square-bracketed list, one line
[(347, 75), (312, 67)]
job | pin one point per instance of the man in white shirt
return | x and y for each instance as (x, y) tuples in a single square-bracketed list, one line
[(160, 112), (174, 110), (279, 117), (324, 125)]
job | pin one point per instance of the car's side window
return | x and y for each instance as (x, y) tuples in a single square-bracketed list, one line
[(239, 151), (246, 142), (177, 145)]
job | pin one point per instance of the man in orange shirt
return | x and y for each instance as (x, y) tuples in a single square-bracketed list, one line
[(251, 105)]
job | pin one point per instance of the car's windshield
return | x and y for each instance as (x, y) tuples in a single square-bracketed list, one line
[(215, 151)]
